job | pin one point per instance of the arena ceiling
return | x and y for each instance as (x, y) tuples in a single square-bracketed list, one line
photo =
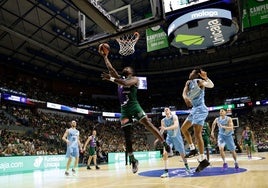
[(40, 36)]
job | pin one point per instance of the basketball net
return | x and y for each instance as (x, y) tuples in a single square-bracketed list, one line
[(127, 43)]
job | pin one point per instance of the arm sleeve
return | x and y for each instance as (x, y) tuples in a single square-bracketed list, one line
[(208, 83)]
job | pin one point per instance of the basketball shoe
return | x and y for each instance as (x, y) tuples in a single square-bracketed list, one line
[(202, 165), (135, 164), (236, 165), (192, 153), (165, 174), (225, 166)]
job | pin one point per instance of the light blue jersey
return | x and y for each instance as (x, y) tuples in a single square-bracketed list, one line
[(225, 136), (199, 111), (72, 147), (195, 93), (224, 122), (174, 136)]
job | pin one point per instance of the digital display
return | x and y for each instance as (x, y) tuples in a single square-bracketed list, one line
[(143, 82), (173, 5), (16, 98)]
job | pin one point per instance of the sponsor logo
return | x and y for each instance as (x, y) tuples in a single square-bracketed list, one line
[(38, 161), (204, 13), (190, 39), (214, 26)]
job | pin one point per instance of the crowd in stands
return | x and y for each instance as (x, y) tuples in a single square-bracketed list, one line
[(47, 127)]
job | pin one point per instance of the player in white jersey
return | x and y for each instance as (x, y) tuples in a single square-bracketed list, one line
[(71, 137), (194, 97), (225, 136)]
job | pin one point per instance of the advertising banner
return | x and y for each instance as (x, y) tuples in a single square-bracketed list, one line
[(31, 163), (120, 156), (255, 12)]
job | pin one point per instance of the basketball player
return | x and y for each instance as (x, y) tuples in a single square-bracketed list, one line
[(225, 136), (206, 138), (170, 123), (247, 139), (194, 96), (130, 107), (92, 139), (71, 137)]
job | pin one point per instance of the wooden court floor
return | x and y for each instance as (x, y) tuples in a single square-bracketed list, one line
[(120, 176)]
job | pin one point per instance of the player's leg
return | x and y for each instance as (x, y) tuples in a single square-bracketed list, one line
[(76, 159), (143, 119), (68, 164), (206, 145), (221, 145), (179, 147), (230, 144), (203, 162), (165, 158), (126, 124), (95, 161), (185, 131), (89, 161), (250, 149)]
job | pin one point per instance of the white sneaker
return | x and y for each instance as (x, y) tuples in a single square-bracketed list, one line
[(74, 172), (165, 175)]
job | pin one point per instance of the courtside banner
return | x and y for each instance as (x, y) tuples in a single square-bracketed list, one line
[(120, 156), (156, 39), (30, 163), (255, 12)]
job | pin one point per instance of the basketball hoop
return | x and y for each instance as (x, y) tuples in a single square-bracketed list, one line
[(127, 43)]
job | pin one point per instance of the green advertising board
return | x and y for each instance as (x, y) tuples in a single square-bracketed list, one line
[(156, 38), (120, 156), (255, 12), (31, 163)]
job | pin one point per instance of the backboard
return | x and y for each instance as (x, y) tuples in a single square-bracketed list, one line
[(115, 18)]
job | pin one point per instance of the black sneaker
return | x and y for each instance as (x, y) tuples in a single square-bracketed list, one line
[(202, 165), (167, 147), (88, 167), (67, 173), (192, 153), (135, 164), (97, 168)]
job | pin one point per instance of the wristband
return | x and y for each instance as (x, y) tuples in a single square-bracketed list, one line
[(112, 79)]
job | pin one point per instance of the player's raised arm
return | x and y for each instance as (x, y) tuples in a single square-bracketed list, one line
[(206, 82), (104, 52)]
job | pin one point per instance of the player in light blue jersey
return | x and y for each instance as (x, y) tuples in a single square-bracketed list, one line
[(170, 124), (194, 97), (225, 136), (71, 137)]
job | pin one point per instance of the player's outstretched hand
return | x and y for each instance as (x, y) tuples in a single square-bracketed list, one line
[(105, 76)]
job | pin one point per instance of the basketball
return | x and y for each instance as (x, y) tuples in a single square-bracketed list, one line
[(104, 48)]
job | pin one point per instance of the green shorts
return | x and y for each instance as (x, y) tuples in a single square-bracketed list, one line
[(132, 111), (92, 151), (206, 141), (247, 143)]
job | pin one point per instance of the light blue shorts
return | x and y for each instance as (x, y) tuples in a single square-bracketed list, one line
[(198, 115), (177, 143), (72, 152), (226, 140)]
